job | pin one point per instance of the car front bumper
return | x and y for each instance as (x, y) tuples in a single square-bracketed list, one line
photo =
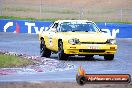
[(94, 49)]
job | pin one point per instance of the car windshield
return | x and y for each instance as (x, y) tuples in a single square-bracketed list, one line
[(78, 26)]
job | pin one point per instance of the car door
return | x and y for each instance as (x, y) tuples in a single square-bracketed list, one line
[(52, 37)]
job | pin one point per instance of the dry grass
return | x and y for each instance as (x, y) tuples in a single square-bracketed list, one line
[(96, 10), (7, 61)]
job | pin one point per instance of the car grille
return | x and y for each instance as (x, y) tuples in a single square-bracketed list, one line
[(93, 42), (91, 51)]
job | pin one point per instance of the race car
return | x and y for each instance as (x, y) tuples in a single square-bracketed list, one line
[(76, 37)]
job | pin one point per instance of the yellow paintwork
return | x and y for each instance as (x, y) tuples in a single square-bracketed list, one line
[(51, 41)]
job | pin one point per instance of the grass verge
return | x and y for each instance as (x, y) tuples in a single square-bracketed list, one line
[(7, 61), (19, 18), (54, 19)]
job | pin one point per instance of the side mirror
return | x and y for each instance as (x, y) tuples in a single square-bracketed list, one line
[(104, 30), (107, 31)]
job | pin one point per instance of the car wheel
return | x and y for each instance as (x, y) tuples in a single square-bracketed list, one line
[(61, 54), (109, 57), (44, 52)]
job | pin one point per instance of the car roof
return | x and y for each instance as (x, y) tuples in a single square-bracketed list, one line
[(61, 21)]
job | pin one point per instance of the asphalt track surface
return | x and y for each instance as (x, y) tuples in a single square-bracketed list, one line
[(29, 44)]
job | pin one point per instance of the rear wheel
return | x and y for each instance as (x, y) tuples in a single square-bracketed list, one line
[(44, 52), (61, 54), (109, 57)]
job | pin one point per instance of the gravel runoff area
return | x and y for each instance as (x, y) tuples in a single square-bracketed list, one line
[(62, 85)]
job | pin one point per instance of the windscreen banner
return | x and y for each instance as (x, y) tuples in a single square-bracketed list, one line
[(118, 30)]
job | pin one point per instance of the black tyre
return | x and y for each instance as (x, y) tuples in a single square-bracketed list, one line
[(81, 80), (109, 57), (61, 54), (44, 52)]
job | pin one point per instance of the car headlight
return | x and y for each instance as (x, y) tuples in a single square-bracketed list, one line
[(111, 41), (73, 41)]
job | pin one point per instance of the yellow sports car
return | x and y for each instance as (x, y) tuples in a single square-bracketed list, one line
[(76, 37)]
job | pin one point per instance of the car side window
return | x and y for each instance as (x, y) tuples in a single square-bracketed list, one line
[(53, 28), (55, 25)]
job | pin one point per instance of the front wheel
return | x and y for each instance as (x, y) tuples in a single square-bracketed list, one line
[(109, 57), (44, 52), (61, 54)]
